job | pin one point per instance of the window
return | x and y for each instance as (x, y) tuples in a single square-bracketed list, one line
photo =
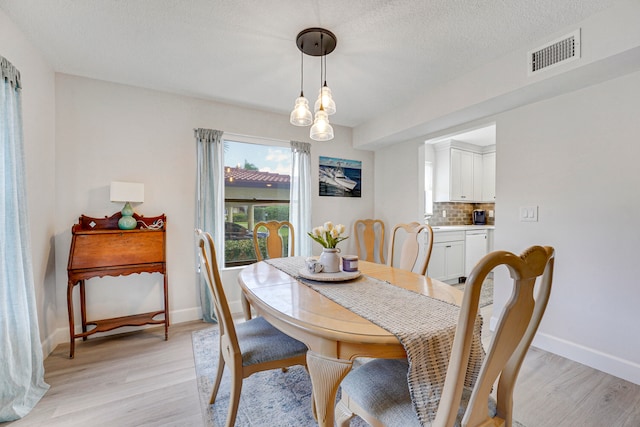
[(256, 188)]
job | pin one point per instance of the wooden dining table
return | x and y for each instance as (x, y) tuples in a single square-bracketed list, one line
[(334, 335)]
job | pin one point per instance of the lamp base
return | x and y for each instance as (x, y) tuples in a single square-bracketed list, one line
[(127, 222)]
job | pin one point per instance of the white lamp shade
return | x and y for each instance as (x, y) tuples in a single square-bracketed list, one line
[(328, 104), (321, 129), (127, 192), (301, 115)]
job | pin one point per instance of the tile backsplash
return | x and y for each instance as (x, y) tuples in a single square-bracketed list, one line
[(459, 213)]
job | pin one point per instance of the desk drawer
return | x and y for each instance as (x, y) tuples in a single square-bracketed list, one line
[(94, 250)]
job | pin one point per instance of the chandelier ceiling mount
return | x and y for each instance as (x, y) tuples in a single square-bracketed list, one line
[(316, 41)]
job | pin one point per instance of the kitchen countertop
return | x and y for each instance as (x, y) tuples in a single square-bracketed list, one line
[(437, 228)]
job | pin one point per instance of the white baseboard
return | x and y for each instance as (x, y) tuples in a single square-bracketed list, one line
[(186, 315), (593, 358), (49, 344), (612, 365)]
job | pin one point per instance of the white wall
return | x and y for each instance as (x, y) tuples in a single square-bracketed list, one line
[(399, 184), (107, 131), (576, 157), (38, 115)]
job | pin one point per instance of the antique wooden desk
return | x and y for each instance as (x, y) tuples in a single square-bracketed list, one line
[(99, 248)]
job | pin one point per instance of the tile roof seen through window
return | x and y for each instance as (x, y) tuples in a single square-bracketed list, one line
[(252, 178)]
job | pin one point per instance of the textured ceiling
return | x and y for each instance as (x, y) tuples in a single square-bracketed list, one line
[(243, 51)]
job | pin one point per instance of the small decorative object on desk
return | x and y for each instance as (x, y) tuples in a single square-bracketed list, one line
[(313, 265), (329, 236), (349, 263)]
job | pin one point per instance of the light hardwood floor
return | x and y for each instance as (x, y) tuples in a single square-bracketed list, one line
[(138, 379), (133, 379)]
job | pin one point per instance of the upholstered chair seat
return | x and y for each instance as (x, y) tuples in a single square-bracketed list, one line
[(381, 386), (260, 343)]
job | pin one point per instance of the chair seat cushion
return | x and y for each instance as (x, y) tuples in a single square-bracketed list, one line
[(380, 387), (261, 342)]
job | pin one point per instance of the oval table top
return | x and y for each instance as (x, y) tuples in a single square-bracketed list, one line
[(277, 295)]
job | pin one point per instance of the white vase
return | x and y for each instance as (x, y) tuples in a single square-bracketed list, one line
[(330, 260)]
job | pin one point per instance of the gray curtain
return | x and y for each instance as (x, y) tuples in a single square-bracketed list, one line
[(300, 195), (209, 203), (21, 362)]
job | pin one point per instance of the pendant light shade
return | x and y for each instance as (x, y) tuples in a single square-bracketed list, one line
[(321, 129), (301, 115), (315, 42), (325, 98)]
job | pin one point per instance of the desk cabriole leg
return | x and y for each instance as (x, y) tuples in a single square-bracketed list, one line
[(326, 375), (83, 308), (166, 307), (72, 338)]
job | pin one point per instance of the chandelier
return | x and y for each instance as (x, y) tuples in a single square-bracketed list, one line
[(315, 42)]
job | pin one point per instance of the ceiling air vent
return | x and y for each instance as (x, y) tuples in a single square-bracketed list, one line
[(560, 51)]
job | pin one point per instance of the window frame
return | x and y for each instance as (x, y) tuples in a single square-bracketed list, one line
[(250, 201)]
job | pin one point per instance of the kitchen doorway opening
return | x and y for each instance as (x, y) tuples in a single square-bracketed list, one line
[(459, 170)]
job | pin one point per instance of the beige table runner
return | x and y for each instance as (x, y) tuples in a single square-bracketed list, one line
[(425, 327)]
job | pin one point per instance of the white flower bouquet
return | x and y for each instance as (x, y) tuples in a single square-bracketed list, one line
[(328, 235)]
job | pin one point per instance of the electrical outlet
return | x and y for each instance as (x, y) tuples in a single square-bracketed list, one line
[(444, 214), (490, 214)]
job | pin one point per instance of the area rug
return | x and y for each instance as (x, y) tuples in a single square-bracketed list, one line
[(271, 398), (486, 294)]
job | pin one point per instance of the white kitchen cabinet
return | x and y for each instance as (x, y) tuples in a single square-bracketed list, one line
[(478, 173), (476, 246), (460, 173), (447, 256), (489, 177)]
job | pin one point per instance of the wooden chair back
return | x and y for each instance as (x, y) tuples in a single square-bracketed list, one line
[(367, 392), (513, 335), (265, 346), (414, 253), (369, 235), (276, 247), (209, 266)]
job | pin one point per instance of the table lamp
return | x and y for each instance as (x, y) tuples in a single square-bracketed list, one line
[(127, 192)]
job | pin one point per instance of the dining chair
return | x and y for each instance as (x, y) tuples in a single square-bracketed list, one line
[(275, 247), (275, 239), (369, 235), (248, 347), (414, 253), (378, 391)]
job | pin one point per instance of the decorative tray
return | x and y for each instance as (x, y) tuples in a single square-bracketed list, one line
[(340, 276)]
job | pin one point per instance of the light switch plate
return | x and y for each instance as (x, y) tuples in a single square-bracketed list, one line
[(529, 214)]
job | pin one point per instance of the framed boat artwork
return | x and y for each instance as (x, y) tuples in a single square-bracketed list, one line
[(340, 177)]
